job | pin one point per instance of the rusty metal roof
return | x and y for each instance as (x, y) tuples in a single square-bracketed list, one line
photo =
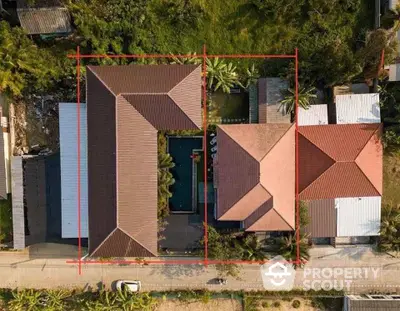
[(323, 219), (256, 175), (126, 106), (335, 161), (43, 17)]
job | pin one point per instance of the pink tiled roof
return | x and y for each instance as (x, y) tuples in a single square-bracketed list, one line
[(340, 160), (256, 175)]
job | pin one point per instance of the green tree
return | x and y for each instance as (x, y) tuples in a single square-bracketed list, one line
[(389, 239), (221, 75), (287, 247), (22, 63), (251, 76), (305, 98), (165, 162), (252, 248), (304, 216), (223, 247)]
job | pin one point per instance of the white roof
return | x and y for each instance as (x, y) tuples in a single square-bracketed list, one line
[(69, 170), (394, 72), (314, 115), (359, 216), (358, 108)]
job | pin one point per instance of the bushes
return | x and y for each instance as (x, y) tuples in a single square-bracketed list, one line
[(296, 304)]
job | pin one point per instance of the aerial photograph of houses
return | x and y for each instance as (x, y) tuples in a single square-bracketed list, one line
[(199, 155)]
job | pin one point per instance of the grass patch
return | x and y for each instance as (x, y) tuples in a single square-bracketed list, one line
[(228, 106), (391, 178), (6, 220)]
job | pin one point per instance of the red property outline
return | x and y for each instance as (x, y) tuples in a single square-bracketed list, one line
[(204, 56)]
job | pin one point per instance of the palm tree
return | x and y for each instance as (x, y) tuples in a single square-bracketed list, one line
[(191, 59), (252, 248), (305, 98), (389, 239), (165, 180), (221, 75), (251, 76), (54, 300), (165, 161), (287, 247)]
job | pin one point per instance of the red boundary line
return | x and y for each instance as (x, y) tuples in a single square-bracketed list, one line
[(205, 153), (78, 100), (204, 56), (297, 226)]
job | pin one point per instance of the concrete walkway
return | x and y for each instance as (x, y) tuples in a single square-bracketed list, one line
[(18, 270)]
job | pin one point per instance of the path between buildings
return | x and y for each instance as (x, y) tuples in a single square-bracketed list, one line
[(18, 270)]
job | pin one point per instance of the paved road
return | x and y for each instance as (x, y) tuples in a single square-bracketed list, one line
[(17, 270)]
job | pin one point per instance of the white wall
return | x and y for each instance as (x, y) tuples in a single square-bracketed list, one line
[(69, 170)]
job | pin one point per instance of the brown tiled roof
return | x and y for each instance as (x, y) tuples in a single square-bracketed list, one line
[(127, 105), (256, 175), (322, 215), (335, 161)]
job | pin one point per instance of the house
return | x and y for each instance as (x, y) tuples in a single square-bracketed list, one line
[(44, 17), (126, 107), (340, 176), (371, 302), (255, 173), (265, 101)]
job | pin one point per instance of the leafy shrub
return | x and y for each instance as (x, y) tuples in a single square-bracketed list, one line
[(265, 304), (276, 304), (296, 304)]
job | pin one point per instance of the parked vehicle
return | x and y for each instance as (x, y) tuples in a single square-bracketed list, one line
[(132, 286)]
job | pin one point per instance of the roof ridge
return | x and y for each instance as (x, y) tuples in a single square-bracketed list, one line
[(322, 150), (372, 134), (101, 80), (122, 230), (319, 178), (104, 240), (259, 183), (273, 146), (279, 214), (173, 88), (361, 170)]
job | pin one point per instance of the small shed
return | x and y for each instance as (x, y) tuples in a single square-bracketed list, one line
[(269, 97), (44, 17), (68, 114), (314, 115), (358, 108)]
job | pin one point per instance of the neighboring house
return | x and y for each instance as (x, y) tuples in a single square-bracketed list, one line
[(126, 107), (255, 176), (373, 302), (394, 69), (340, 175), (358, 108), (44, 17), (314, 115), (35, 199), (264, 104), (68, 115)]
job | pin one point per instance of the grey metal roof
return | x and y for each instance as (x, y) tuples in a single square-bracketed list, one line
[(17, 190), (373, 305), (43, 17)]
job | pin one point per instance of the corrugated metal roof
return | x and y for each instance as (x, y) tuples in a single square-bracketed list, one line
[(17, 194), (68, 116), (45, 20), (372, 304), (314, 115), (358, 216), (394, 71), (322, 215), (358, 108), (269, 97), (126, 107)]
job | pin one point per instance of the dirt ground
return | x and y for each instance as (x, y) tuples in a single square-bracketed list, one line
[(213, 305)]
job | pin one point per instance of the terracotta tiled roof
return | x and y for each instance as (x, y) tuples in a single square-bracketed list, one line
[(256, 175), (126, 106), (340, 161)]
